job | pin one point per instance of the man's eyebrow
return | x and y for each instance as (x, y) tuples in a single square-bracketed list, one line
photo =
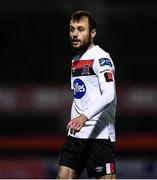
[(77, 26), (72, 27), (81, 27)]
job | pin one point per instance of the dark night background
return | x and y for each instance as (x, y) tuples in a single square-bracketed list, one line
[(35, 56)]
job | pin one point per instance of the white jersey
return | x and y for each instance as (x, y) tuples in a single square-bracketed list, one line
[(93, 84)]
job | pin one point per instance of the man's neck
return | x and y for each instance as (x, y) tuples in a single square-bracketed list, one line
[(80, 53)]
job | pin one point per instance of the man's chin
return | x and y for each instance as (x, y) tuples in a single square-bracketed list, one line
[(75, 47), (78, 48)]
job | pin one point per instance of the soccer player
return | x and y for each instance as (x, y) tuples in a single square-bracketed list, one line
[(91, 131)]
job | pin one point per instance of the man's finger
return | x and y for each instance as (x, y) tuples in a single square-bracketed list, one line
[(72, 131), (69, 124)]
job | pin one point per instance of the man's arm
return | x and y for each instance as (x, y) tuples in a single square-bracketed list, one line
[(98, 104)]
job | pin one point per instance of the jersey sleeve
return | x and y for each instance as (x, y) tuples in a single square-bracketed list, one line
[(71, 82), (104, 69)]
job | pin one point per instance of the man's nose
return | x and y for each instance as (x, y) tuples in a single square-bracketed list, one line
[(75, 33)]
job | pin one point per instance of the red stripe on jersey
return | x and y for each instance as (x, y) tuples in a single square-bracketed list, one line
[(112, 166), (80, 64)]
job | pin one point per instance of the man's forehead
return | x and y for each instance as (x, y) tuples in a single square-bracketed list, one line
[(82, 21)]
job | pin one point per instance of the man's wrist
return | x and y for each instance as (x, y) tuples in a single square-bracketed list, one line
[(84, 117)]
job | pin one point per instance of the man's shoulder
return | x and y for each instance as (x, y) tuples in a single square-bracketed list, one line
[(102, 59), (94, 53), (100, 52)]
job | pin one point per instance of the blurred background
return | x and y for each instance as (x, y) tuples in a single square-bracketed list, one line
[(35, 95)]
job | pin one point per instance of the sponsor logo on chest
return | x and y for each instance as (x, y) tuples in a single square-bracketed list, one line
[(79, 88)]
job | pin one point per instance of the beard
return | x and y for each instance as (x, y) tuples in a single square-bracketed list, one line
[(83, 45)]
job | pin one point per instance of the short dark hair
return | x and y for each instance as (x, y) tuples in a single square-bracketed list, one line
[(77, 15)]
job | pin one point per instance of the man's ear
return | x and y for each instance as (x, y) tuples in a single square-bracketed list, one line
[(93, 33)]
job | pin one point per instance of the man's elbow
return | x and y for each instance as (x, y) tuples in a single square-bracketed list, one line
[(111, 95)]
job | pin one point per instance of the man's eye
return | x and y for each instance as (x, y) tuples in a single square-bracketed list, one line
[(81, 29), (71, 29)]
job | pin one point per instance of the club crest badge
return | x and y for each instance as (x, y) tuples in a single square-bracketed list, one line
[(85, 70)]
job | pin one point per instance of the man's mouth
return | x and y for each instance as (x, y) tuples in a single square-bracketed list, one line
[(76, 40)]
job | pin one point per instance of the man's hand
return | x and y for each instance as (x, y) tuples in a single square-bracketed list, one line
[(76, 124)]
